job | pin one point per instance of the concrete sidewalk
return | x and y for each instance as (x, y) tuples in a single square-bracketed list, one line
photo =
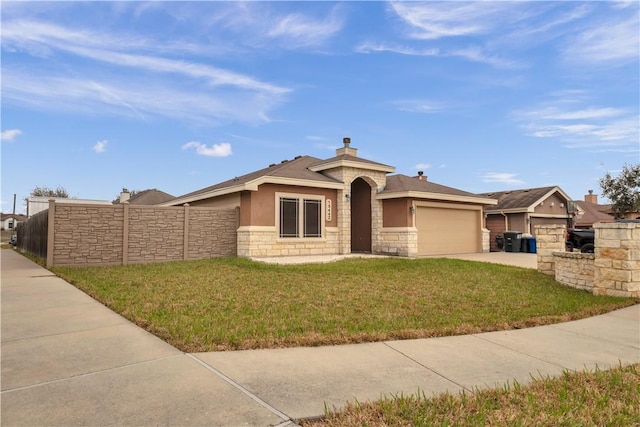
[(68, 360)]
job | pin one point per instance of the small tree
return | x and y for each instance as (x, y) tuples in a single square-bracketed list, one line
[(47, 192), (623, 191)]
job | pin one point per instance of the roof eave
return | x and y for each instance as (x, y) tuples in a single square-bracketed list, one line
[(253, 186), (435, 196), (352, 164)]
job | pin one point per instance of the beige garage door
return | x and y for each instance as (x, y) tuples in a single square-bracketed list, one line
[(443, 231)]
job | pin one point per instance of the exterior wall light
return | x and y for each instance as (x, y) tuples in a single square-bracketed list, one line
[(411, 210), (346, 196)]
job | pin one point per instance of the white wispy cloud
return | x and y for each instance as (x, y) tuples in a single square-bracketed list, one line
[(418, 106), (100, 146), (216, 150), (299, 30), (502, 177), (580, 126), (10, 134), (434, 20), (205, 93), (421, 166), (610, 41)]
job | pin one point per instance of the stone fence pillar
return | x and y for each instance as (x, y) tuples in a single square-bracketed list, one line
[(617, 263), (549, 239)]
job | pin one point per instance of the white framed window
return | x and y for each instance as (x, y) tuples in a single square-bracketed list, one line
[(299, 216), (10, 225)]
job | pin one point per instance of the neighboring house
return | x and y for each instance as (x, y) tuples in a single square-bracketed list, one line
[(39, 204), (343, 205), (522, 210), (588, 212), (146, 197), (10, 221)]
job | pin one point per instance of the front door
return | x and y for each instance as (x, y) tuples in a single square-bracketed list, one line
[(360, 216)]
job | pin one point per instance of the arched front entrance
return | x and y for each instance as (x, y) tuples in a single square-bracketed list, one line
[(360, 216)]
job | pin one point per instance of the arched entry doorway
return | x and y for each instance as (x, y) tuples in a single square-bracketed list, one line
[(360, 216)]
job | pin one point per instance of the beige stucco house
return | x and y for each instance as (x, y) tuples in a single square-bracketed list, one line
[(346, 204)]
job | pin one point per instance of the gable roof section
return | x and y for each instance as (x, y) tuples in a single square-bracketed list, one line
[(347, 160), (404, 186), (524, 200), (591, 213), (150, 197), (17, 217), (289, 172)]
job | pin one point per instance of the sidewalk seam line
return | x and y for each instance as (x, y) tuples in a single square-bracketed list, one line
[(426, 367), (87, 374), (241, 389)]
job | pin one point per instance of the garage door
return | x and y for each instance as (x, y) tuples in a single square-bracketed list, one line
[(443, 231)]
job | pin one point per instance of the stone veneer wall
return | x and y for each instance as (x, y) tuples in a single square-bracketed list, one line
[(401, 241), (377, 180), (83, 234), (575, 269), (615, 266), (549, 239), (261, 241)]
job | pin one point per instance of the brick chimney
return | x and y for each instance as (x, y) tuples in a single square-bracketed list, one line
[(346, 150), (591, 198), (421, 176)]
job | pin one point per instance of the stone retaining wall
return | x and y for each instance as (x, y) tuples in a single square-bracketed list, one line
[(614, 269)]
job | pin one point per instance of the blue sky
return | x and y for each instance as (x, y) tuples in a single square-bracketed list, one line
[(481, 96)]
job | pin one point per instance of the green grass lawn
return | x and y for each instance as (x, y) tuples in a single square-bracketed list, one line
[(596, 398), (232, 304)]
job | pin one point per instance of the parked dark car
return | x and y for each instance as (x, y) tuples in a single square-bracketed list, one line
[(580, 238)]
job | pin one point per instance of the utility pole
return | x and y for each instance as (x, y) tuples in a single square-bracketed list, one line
[(13, 228)]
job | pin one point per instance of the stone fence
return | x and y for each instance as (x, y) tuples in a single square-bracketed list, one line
[(86, 234), (614, 268)]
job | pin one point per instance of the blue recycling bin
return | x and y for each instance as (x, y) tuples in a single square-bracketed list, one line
[(532, 245)]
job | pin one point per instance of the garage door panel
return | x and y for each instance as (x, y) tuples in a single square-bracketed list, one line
[(443, 231)]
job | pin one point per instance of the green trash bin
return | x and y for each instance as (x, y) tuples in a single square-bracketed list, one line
[(512, 241)]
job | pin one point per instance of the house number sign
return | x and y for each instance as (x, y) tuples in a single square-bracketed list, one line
[(328, 209)]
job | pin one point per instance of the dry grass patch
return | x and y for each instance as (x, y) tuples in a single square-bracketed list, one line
[(232, 304), (596, 398)]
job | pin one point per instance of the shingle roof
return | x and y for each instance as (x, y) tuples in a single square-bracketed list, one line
[(18, 217), (399, 183), (150, 197), (517, 199), (592, 214), (298, 168)]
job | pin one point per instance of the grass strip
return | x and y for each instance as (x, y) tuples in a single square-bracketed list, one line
[(590, 398)]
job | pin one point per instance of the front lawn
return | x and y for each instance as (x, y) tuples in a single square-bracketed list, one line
[(232, 304)]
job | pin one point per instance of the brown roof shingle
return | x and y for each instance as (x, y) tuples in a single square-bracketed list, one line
[(517, 199), (398, 183)]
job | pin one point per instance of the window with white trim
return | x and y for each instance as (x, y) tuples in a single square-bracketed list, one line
[(300, 216)]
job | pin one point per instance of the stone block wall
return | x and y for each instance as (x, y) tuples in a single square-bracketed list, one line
[(614, 268), (401, 241), (549, 239), (575, 269), (257, 241), (83, 234), (617, 261)]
